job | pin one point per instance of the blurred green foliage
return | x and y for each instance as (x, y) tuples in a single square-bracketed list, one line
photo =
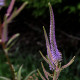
[(39, 7), (31, 62)]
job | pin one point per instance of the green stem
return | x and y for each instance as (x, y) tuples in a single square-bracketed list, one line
[(11, 67), (56, 74)]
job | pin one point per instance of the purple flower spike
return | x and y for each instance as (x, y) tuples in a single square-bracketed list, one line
[(53, 53), (57, 57)]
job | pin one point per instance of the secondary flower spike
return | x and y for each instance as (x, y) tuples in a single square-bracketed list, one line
[(53, 53)]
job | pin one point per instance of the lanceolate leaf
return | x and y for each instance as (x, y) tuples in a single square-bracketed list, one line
[(29, 74), (47, 41), (50, 75), (41, 75), (12, 38), (45, 72), (50, 63), (4, 78), (9, 10), (16, 12), (19, 74), (21, 8), (10, 45), (69, 63), (50, 54), (44, 57)]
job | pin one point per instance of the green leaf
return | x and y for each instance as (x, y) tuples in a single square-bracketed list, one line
[(41, 75), (44, 57), (8, 48), (72, 9), (50, 63), (4, 78), (69, 63), (46, 37), (29, 74), (45, 72), (12, 38), (19, 74), (78, 6), (16, 12), (21, 8), (10, 8)]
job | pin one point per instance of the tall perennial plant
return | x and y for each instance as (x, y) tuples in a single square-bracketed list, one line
[(54, 56)]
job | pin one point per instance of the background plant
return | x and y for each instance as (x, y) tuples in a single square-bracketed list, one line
[(8, 43)]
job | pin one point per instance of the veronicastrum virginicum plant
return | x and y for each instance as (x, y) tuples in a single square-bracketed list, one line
[(8, 43), (54, 57)]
